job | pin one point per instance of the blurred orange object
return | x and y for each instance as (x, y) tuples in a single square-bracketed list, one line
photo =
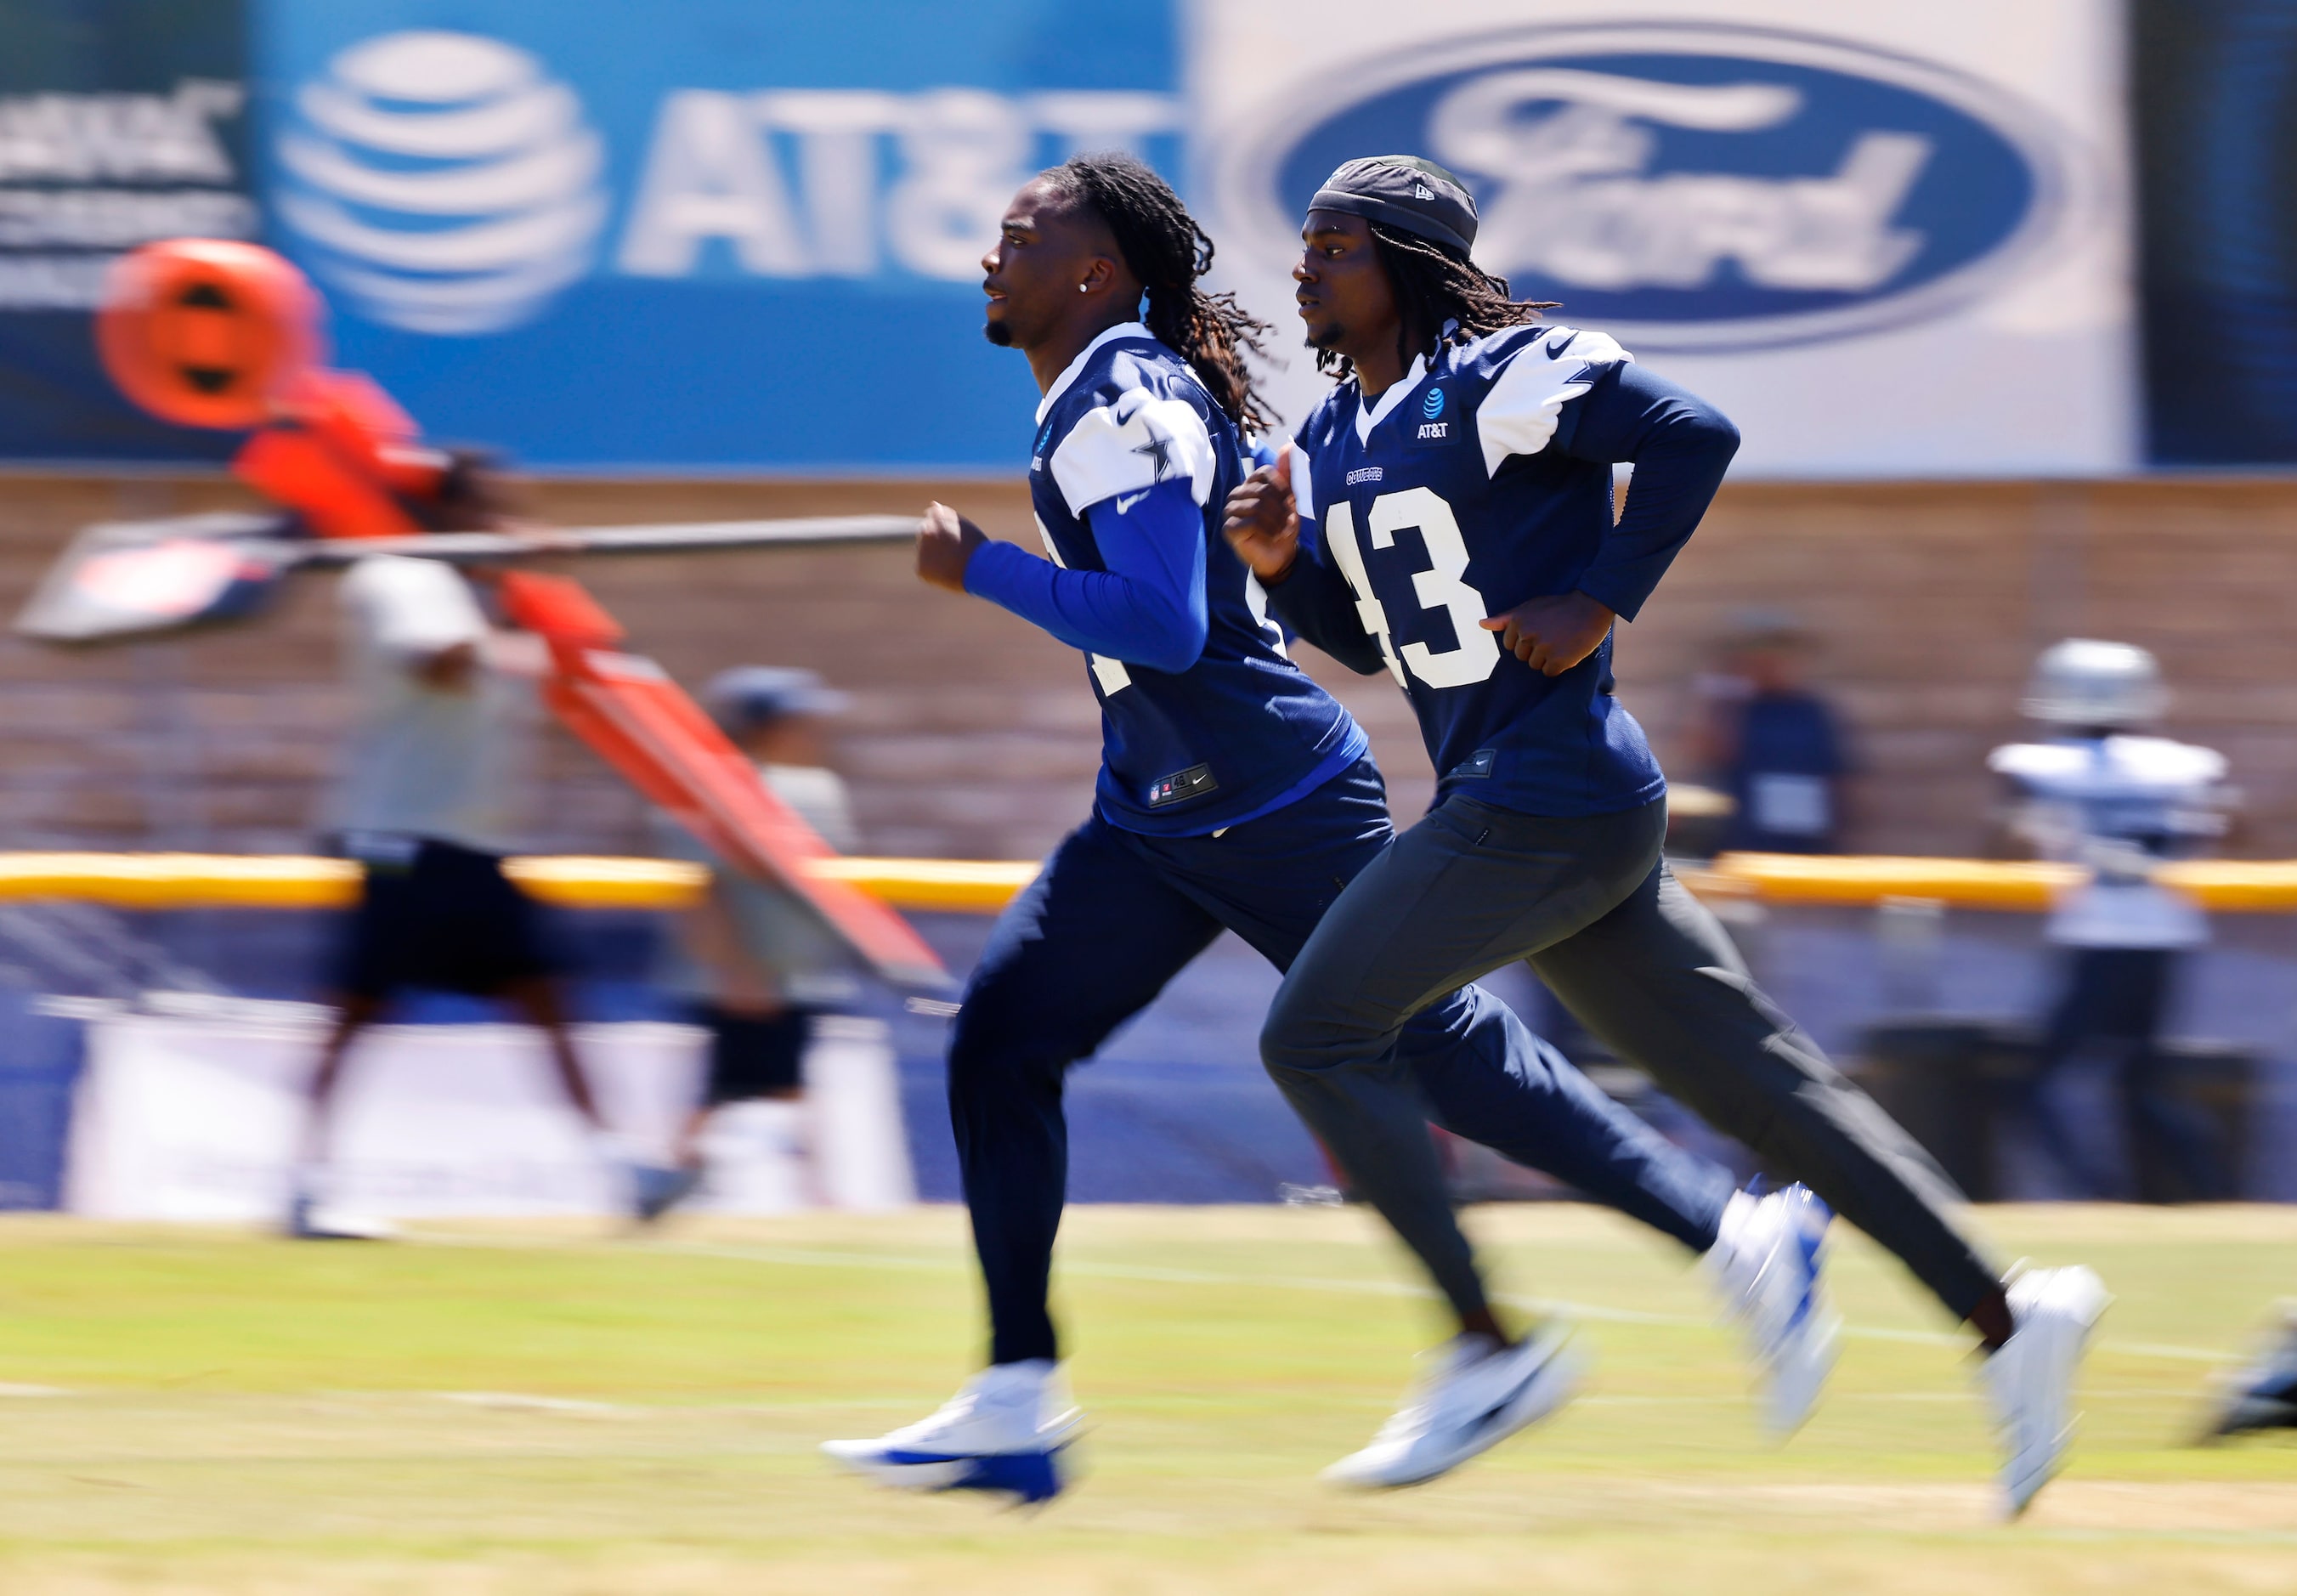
[(558, 610), (208, 332), (323, 456), (642, 723), (221, 334)]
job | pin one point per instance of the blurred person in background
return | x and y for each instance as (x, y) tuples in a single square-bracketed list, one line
[(1768, 742), (754, 965), (427, 803), (2101, 793)]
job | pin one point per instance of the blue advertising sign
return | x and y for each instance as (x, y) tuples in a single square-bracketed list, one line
[(121, 121), (724, 235), (2213, 82), (1703, 186)]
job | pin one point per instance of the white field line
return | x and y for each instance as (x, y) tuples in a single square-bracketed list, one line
[(810, 1258), (518, 1402)]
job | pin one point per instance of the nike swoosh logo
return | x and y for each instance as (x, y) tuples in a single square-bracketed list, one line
[(1127, 501)]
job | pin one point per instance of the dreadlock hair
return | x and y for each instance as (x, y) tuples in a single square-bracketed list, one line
[(1440, 294), (1162, 246)]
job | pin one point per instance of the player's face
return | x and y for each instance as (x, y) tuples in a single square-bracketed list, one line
[(1346, 300), (1032, 272)]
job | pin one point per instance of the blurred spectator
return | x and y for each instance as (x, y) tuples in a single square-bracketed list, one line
[(427, 803), (2100, 793), (753, 964), (1769, 743)]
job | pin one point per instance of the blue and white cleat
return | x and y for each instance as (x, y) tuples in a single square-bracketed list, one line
[(2262, 1395), (310, 1220), (1473, 1397), (1007, 1431), (1766, 1265), (2030, 1380), (656, 1188)]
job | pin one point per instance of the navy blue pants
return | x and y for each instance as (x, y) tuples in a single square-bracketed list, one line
[(2115, 1001), (1589, 903), (1115, 914)]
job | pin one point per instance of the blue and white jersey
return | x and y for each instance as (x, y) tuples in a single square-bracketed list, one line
[(1198, 736), (1471, 486), (2118, 805)]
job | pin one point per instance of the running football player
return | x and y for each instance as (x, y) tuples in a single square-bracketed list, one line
[(1458, 483), (1235, 793)]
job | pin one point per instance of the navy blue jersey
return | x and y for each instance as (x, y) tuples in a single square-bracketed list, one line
[(1782, 775), (1470, 486), (1238, 729)]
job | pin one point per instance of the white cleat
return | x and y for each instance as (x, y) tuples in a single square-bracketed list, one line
[(1006, 1430), (309, 1220), (1472, 1398), (1764, 1266), (2030, 1380)]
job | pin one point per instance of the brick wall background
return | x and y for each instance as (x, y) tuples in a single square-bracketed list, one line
[(974, 736)]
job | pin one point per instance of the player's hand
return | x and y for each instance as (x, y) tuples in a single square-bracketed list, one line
[(946, 544), (1551, 635), (1264, 522)]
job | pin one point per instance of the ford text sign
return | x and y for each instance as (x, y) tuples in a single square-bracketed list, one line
[(1707, 187)]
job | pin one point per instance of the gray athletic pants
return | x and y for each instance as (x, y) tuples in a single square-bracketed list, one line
[(1589, 902)]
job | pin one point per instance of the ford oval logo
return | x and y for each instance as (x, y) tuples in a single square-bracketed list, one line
[(1700, 187)]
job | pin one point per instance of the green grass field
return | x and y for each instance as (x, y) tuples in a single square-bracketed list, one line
[(550, 1411)]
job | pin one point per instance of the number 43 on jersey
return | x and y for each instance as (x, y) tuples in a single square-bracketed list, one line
[(1476, 652)]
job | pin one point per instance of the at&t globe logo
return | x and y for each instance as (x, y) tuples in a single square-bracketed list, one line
[(1701, 186), (442, 181)]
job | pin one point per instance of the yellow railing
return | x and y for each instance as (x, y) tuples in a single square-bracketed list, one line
[(2227, 886), (150, 880)]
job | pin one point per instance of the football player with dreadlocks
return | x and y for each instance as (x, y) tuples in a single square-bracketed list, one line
[(1234, 794), (1446, 515)]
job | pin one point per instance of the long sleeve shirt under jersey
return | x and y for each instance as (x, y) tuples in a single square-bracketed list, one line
[(1206, 721)]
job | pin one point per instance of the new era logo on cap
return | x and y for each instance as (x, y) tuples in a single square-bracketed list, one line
[(1421, 190)]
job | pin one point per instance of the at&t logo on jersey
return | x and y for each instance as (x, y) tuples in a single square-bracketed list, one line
[(1431, 405), (443, 180), (1696, 186)]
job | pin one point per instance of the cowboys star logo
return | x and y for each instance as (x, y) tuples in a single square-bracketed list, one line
[(1159, 450)]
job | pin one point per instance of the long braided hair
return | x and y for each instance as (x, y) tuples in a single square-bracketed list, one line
[(1439, 294), (1164, 247)]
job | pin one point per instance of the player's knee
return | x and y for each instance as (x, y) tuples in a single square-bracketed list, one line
[(1301, 1034), (976, 1036), (992, 1048)]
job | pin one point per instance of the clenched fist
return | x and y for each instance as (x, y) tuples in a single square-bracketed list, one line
[(946, 544), (1264, 522), (1551, 635)]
